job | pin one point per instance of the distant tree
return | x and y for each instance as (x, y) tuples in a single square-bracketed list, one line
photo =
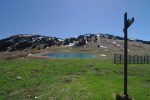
[(82, 42), (72, 40), (66, 42)]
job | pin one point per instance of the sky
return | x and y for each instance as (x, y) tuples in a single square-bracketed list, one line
[(69, 18)]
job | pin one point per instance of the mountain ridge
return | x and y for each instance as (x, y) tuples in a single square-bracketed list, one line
[(23, 41)]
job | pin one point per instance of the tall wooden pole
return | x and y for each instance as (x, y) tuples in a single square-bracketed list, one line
[(127, 23), (125, 54)]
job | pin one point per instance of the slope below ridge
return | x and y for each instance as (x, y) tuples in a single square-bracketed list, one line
[(107, 43)]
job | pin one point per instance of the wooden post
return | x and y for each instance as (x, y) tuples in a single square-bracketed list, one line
[(127, 23), (125, 54)]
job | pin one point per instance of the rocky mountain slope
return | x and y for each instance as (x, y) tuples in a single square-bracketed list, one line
[(105, 42), (22, 41)]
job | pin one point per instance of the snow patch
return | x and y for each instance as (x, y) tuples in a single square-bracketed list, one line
[(60, 40), (103, 55), (116, 44), (70, 45), (29, 54), (103, 46)]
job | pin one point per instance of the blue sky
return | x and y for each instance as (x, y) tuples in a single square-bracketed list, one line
[(66, 18)]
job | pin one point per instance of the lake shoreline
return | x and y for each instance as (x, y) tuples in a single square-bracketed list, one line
[(43, 55)]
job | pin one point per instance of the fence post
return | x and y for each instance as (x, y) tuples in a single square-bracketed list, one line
[(144, 60), (81, 56), (114, 59)]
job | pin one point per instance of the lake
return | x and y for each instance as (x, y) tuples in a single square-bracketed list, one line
[(70, 55)]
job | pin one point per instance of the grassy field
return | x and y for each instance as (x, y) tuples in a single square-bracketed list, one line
[(70, 79)]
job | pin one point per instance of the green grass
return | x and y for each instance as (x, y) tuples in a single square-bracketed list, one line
[(70, 79)]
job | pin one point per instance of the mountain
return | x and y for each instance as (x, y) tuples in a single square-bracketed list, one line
[(23, 41)]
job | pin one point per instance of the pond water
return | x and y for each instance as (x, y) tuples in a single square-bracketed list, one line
[(70, 55)]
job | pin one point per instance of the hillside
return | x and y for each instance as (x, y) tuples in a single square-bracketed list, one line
[(22, 41), (104, 44)]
